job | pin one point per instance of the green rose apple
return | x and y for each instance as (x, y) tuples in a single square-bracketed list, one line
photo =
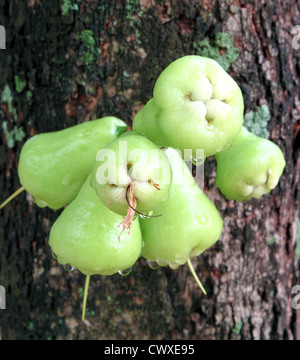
[(131, 175), (190, 222), (250, 168), (196, 105), (53, 166), (85, 235), (146, 122)]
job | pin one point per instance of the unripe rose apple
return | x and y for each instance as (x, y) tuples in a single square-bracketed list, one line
[(131, 171), (196, 105)]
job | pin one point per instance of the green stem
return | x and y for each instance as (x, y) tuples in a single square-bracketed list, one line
[(16, 193), (86, 287), (195, 276)]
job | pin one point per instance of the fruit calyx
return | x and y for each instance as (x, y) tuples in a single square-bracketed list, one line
[(264, 183)]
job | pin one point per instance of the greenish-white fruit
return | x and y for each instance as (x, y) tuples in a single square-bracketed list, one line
[(250, 168), (146, 121), (86, 236), (190, 222), (131, 170), (196, 105), (53, 166)]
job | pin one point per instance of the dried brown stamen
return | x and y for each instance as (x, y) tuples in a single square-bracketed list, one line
[(154, 184), (131, 201)]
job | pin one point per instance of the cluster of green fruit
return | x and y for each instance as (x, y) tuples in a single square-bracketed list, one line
[(129, 193)]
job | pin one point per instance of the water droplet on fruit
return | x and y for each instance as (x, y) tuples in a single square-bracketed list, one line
[(162, 262), (152, 264), (173, 266), (125, 272), (40, 203), (69, 267), (180, 261)]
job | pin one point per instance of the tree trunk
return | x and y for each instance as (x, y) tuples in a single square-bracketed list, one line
[(67, 62)]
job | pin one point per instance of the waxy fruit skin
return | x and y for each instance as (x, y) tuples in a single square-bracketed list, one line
[(53, 166), (250, 168), (85, 235), (196, 105), (146, 122), (190, 222), (131, 160)]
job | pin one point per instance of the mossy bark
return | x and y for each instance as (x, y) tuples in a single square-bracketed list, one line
[(71, 61)]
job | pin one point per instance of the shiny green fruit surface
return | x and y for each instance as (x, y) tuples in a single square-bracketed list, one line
[(146, 122), (85, 236), (53, 166), (250, 168), (131, 161), (198, 105), (189, 222)]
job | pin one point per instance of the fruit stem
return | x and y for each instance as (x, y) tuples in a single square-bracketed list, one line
[(127, 222), (85, 294), (195, 276), (135, 210), (15, 194)]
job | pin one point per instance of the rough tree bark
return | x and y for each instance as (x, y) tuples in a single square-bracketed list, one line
[(71, 61)]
